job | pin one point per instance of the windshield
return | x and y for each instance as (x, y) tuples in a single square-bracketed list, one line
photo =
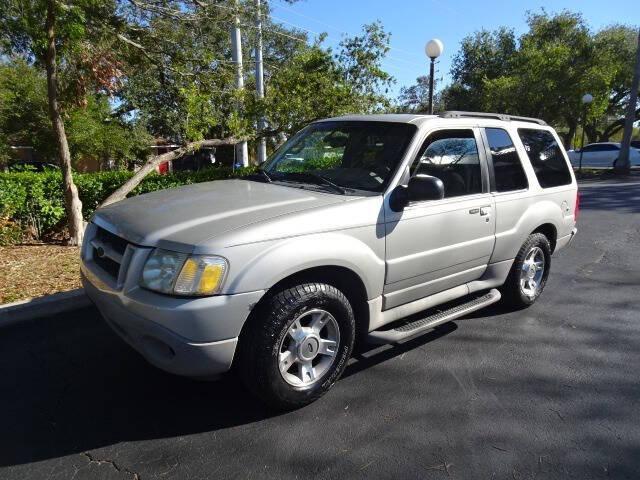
[(342, 156)]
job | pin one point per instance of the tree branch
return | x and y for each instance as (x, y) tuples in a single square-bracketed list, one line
[(150, 165), (615, 126)]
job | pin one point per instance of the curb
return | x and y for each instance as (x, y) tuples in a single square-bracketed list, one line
[(23, 310)]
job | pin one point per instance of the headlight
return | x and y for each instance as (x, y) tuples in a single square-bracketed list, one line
[(181, 274)]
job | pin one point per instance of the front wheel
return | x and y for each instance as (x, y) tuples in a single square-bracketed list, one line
[(297, 344), (529, 273)]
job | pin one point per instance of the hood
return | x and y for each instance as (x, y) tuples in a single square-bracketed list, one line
[(183, 217)]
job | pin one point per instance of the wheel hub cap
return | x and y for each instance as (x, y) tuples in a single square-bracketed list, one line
[(532, 272), (308, 349)]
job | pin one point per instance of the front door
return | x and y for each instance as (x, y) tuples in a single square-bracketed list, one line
[(436, 245)]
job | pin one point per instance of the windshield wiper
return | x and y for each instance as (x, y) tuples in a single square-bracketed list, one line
[(320, 180), (264, 176)]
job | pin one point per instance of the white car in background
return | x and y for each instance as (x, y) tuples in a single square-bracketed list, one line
[(602, 155)]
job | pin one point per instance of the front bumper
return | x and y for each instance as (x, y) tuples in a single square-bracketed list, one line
[(194, 337)]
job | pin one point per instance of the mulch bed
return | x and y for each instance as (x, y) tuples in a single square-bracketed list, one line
[(28, 271)]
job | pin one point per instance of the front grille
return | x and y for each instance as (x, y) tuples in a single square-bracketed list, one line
[(108, 252), (117, 243), (106, 264)]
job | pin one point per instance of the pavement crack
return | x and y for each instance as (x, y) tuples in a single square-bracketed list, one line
[(499, 449), (557, 413), (114, 465)]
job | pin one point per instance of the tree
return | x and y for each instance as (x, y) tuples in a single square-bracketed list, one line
[(546, 72), (623, 164), (415, 98), (360, 61), (51, 40), (24, 116), (92, 129), (73, 204), (483, 56), (615, 47), (307, 88)]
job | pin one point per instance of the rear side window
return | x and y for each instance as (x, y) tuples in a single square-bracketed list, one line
[(507, 168), (546, 157)]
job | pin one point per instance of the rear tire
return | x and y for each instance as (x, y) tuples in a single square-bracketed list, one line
[(529, 272), (296, 345)]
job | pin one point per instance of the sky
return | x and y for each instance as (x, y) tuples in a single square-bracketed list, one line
[(413, 22)]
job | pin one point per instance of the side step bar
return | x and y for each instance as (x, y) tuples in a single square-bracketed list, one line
[(414, 328)]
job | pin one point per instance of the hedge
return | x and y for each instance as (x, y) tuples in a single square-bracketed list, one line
[(32, 203)]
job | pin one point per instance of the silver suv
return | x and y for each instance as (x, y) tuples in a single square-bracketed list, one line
[(353, 225)]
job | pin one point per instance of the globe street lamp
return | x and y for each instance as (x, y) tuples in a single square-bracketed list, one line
[(433, 49), (587, 98)]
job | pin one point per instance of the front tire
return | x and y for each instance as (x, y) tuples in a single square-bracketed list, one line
[(296, 345), (529, 273)]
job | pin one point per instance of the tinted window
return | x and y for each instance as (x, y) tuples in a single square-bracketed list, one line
[(452, 156), (546, 157), (507, 168), (600, 148), (353, 155)]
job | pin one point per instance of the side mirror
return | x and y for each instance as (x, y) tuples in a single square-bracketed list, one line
[(420, 188)]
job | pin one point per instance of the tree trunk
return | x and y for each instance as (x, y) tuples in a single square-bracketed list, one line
[(623, 165), (122, 192), (567, 137), (72, 202)]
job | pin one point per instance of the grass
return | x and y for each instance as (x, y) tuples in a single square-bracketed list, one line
[(601, 173), (28, 271), (589, 173)]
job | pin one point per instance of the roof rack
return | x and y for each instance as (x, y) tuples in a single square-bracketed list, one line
[(497, 116)]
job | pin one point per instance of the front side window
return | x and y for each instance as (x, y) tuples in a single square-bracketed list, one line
[(360, 156), (451, 156), (546, 157), (507, 168)]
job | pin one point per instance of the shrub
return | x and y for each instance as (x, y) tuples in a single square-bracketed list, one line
[(32, 203)]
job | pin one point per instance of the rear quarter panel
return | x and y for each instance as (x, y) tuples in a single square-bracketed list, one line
[(518, 214)]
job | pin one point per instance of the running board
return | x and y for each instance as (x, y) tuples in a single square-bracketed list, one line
[(413, 328)]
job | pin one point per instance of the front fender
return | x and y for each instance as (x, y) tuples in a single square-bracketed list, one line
[(259, 266)]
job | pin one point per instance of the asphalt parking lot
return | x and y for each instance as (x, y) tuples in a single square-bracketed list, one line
[(549, 392)]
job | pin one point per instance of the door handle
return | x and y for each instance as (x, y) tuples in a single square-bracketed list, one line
[(484, 211)]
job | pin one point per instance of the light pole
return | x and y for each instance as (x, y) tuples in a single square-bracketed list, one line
[(433, 49), (262, 143), (587, 98)]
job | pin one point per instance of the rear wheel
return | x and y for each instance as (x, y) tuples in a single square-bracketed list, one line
[(297, 345), (529, 273)]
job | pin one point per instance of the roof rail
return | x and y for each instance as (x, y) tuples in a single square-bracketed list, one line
[(497, 116)]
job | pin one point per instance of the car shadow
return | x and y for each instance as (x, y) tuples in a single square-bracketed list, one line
[(622, 198), (70, 385)]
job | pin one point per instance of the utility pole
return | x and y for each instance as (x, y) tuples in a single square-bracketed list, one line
[(623, 165), (262, 142), (242, 154)]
